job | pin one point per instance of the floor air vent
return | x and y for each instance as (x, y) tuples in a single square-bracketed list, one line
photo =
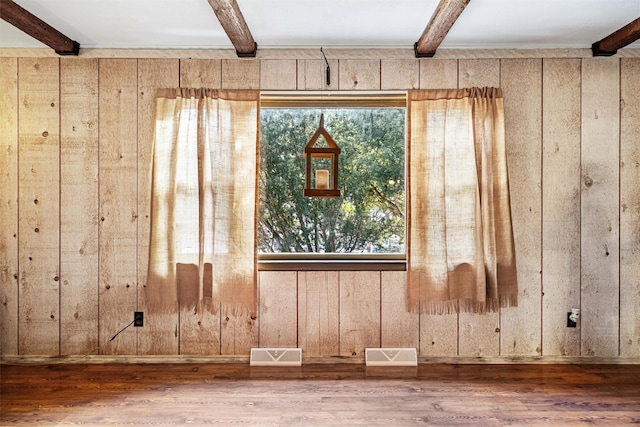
[(276, 357), (391, 357)]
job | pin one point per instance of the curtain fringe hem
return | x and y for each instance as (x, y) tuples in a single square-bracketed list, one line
[(462, 306)]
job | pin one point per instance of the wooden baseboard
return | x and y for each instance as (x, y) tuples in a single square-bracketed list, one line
[(496, 360), (530, 360), (318, 360), (115, 359)]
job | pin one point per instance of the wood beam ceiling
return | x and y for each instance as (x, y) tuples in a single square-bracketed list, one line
[(233, 23), (441, 22), (609, 45), (37, 28)]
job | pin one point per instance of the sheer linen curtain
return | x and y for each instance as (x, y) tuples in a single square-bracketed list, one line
[(203, 205), (461, 254)]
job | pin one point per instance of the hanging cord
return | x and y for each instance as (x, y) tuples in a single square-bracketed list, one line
[(328, 70), (328, 78), (113, 337)]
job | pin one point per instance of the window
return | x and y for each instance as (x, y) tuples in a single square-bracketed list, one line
[(368, 220)]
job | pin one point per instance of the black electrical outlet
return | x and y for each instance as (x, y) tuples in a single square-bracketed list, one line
[(138, 318), (570, 323)]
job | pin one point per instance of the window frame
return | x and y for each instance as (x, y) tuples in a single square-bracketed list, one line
[(289, 261)]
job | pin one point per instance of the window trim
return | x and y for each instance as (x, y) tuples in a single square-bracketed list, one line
[(288, 261), (295, 261), (339, 99)]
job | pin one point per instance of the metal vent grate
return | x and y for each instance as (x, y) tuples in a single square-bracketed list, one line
[(391, 357), (276, 357)]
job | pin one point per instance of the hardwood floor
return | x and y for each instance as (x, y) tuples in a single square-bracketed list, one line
[(324, 395)]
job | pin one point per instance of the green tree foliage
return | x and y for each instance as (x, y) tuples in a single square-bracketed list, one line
[(368, 217)]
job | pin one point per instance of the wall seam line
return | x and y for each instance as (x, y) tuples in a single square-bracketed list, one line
[(541, 207), (59, 273)]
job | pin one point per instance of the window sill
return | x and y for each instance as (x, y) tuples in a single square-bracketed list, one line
[(331, 262)]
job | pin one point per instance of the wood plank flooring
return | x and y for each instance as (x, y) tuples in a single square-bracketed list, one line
[(319, 395)]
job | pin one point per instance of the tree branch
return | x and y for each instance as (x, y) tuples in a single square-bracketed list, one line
[(384, 199)]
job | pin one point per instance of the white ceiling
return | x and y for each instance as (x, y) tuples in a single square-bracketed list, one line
[(177, 24)]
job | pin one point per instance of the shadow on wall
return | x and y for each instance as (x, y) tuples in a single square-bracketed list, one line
[(187, 284)]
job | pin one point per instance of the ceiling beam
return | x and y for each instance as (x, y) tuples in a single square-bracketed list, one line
[(233, 23), (609, 45), (441, 22), (37, 28)]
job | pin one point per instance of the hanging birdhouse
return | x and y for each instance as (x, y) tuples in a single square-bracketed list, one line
[(321, 165)]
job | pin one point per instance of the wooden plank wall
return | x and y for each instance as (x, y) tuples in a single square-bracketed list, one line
[(79, 196), (479, 335), (76, 133), (161, 337), (39, 206), (629, 207), (117, 206), (200, 332), (561, 126), (9, 206), (600, 207)]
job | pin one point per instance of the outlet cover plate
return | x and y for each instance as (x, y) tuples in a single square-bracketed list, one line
[(138, 318), (570, 323)]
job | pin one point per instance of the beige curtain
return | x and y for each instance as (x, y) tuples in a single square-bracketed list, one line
[(203, 208), (461, 253)]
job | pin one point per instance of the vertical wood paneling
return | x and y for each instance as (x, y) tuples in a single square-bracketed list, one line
[(600, 212), (398, 326), (200, 73), (561, 205), (9, 206), (630, 208), (359, 74), (478, 72), (438, 73), (160, 334), (438, 333), (39, 219), (478, 335), (359, 311), (240, 74), (399, 74), (277, 318), (239, 332), (521, 80), (200, 331), (318, 316), (312, 74), (118, 204), (278, 74), (338, 313), (79, 206)]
